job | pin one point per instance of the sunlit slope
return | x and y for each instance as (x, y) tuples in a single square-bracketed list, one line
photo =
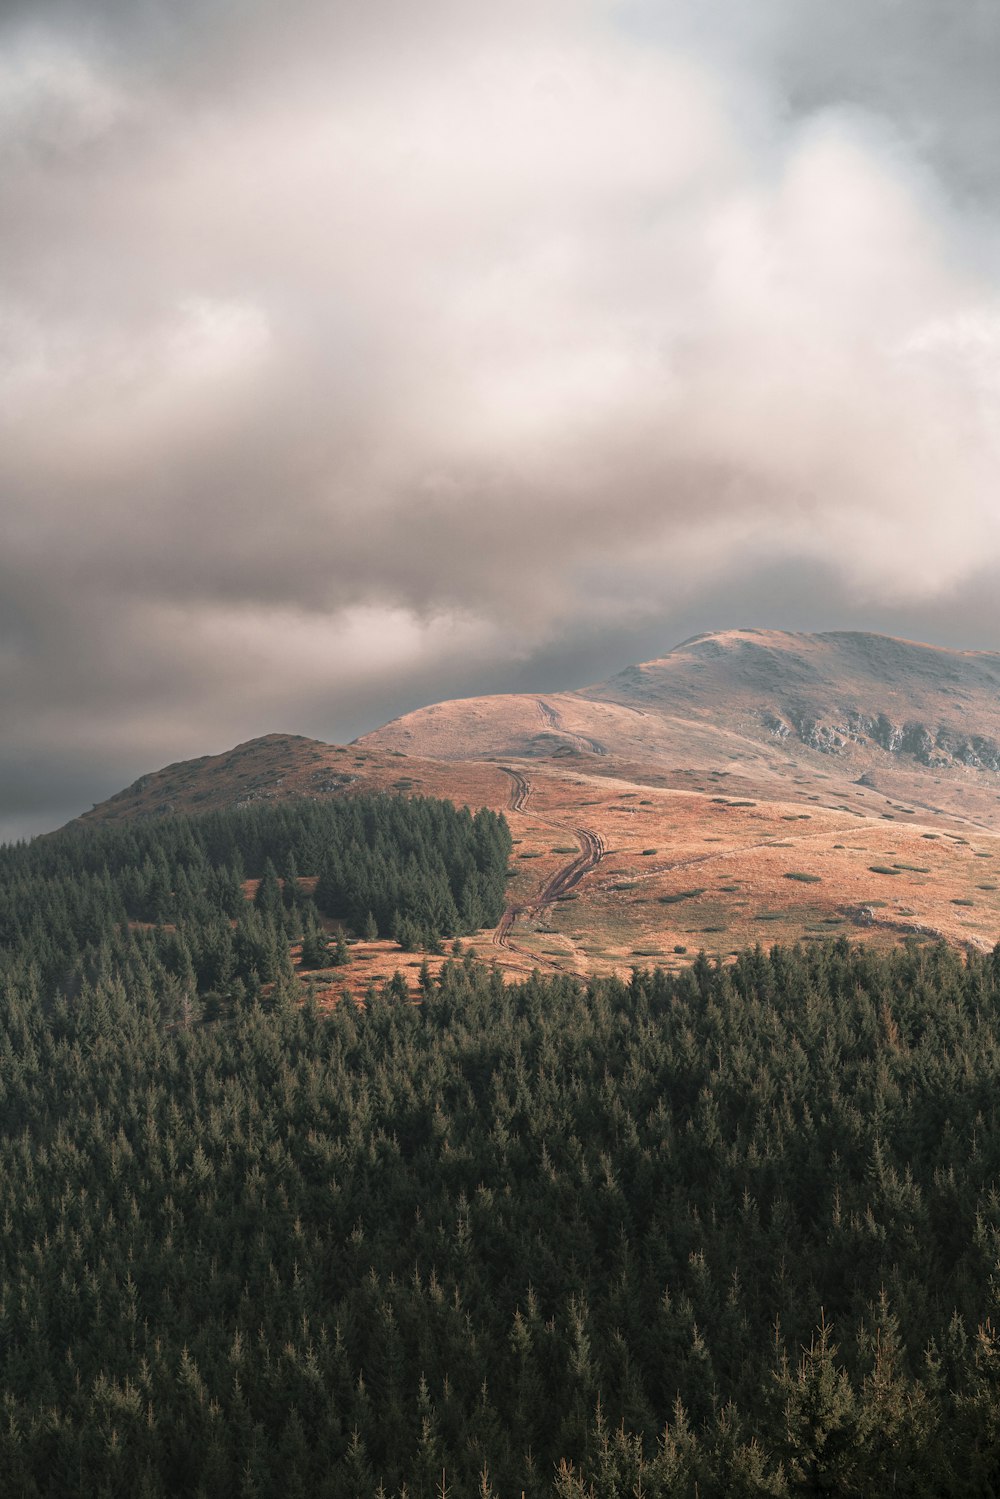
[(914, 722), (748, 786), (838, 692), (561, 726)]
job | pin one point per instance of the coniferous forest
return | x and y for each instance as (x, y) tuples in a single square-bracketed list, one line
[(731, 1232), (163, 904)]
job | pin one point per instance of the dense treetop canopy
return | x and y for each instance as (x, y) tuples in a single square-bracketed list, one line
[(729, 1232), (167, 895)]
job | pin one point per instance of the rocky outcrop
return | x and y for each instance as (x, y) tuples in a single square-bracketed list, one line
[(943, 747)]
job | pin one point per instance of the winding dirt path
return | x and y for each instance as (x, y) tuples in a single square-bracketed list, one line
[(519, 791), (592, 851)]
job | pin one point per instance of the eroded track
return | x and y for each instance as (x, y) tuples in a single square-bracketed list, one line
[(553, 720), (592, 851), (520, 789)]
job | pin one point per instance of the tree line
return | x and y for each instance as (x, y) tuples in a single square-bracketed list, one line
[(162, 904)]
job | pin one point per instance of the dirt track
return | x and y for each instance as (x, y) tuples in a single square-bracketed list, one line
[(592, 850), (553, 720), (591, 853), (519, 791)]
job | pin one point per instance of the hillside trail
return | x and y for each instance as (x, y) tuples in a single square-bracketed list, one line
[(553, 720), (592, 851), (565, 879), (520, 789), (732, 850), (729, 851)]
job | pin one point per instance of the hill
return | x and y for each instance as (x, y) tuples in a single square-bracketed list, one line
[(749, 785)]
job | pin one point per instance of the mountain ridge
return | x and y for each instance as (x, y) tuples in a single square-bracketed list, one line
[(835, 692), (748, 786)]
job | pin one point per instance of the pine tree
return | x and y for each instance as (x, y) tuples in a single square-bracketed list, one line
[(268, 898), (820, 1418), (315, 952)]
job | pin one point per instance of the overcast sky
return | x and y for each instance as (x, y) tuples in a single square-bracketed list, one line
[(358, 355)]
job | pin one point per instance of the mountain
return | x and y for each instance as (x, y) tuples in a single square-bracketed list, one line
[(748, 785), (850, 696)]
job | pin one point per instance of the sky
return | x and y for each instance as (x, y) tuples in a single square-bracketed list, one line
[(358, 356)]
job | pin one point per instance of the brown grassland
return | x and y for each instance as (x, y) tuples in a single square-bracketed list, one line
[(645, 834)]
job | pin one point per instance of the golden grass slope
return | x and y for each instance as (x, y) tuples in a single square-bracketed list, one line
[(662, 813)]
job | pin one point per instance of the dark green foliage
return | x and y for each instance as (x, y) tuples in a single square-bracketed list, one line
[(167, 896), (315, 950), (733, 1232)]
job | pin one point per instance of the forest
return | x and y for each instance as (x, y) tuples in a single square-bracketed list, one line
[(728, 1232), (164, 901)]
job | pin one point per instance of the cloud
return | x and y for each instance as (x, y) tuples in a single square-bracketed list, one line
[(349, 348)]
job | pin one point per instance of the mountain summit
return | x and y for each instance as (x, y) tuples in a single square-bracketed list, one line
[(851, 696)]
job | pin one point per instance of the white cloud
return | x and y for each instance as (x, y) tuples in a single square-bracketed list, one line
[(351, 318), (53, 99)]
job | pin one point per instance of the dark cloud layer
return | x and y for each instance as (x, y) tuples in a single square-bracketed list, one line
[(356, 356)]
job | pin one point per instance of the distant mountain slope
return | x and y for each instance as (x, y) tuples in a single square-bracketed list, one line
[(283, 765), (859, 712), (840, 694), (834, 692), (750, 785)]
